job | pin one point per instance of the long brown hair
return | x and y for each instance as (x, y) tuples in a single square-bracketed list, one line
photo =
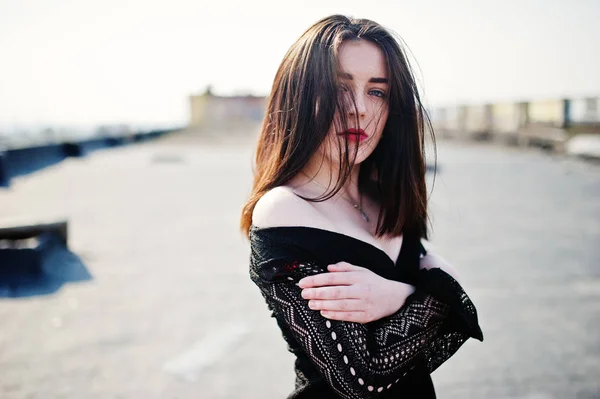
[(301, 109)]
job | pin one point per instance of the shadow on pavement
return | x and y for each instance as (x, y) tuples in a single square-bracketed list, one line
[(42, 270)]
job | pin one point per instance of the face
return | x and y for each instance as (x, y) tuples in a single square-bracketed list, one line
[(364, 79)]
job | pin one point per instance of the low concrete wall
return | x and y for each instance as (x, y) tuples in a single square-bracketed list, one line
[(21, 161)]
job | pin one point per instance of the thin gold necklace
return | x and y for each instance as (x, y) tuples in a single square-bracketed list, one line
[(356, 206)]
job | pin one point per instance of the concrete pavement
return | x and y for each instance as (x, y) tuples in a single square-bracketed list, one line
[(171, 313)]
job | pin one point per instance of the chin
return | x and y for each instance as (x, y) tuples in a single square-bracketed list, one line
[(360, 158), (364, 152)]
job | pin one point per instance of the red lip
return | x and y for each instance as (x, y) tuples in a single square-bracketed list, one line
[(355, 134)]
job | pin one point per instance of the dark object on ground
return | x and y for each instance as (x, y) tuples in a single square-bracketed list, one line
[(35, 260)]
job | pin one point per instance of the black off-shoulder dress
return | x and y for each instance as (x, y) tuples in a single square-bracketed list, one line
[(388, 358)]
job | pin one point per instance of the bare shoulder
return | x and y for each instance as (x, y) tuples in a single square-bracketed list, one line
[(280, 206)]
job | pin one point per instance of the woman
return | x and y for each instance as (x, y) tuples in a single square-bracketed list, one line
[(336, 217)]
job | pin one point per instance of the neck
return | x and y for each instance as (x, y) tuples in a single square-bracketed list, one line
[(325, 174)]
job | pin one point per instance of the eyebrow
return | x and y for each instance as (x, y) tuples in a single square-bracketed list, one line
[(372, 80)]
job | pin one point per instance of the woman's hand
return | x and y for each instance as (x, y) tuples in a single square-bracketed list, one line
[(353, 293)]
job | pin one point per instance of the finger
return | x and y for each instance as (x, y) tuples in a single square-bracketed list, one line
[(340, 305), (344, 267), (328, 279), (336, 292), (356, 317)]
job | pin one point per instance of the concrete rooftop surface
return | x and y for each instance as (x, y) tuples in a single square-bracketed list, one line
[(170, 311)]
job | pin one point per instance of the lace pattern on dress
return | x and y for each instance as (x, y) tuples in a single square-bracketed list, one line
[(355, 359), (359, 360)]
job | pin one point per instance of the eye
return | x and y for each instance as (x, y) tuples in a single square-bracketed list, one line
[(377, 93)]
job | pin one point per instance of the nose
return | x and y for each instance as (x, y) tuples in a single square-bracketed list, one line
[(358, 106)]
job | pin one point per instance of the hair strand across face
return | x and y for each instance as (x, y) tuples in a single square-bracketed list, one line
[(301, 109)]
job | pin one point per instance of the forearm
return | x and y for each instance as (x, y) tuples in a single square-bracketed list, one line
[(359, 360)]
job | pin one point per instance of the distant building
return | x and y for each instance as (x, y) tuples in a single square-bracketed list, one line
[(209, 111)]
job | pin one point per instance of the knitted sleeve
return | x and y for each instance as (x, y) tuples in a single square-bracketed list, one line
[(364, 360)]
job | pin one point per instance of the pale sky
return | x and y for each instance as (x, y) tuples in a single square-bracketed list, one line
[(87, 62)]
